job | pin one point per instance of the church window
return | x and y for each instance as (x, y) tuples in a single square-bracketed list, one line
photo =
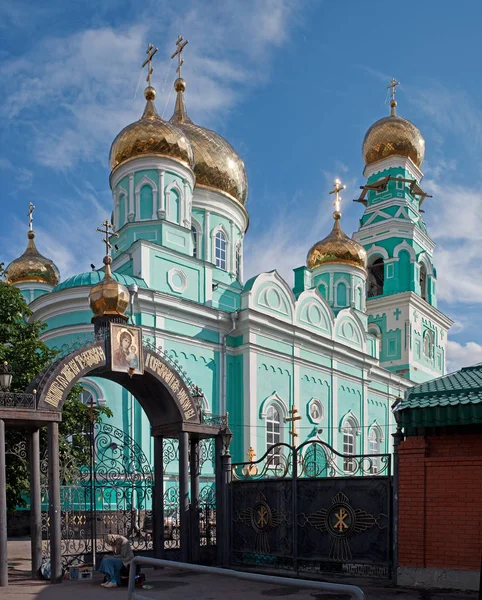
[(121, 218), (194, 241), (374, 441), (428, 344), (423, 281), (173, 206), (376, 277), (341, 294), (220, 248), (349, 445), (145, 202), (273, 433)]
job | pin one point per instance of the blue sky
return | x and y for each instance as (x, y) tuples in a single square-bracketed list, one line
[(293, 85)]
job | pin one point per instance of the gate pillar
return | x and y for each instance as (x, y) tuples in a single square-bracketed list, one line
[(54, 503), (195, 533), (3, 510), (158, 503), (184, 494), (35, 503)]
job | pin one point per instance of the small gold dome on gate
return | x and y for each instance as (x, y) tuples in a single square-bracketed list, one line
[(109, 297)]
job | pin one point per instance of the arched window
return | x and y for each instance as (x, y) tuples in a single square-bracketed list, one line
[(194, 241), (341, 294), (315, 463), (349, 445), (273, 432), (220, 246), (423, 281), (428, 344), (376, 277), (173, 206), (374, 440), (121, 216), (146, 200)]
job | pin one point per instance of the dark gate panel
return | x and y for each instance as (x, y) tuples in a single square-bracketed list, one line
[(298, 509)]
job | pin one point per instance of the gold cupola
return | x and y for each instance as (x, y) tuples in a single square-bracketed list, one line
[(109, 298), (32, 267), (393, 136), (151, 136), (337, 247), (217, 165)]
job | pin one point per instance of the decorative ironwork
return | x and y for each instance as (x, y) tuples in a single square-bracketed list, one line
[(208, 419), (296, 508), (170, 452), (207, 515), (17, 400)]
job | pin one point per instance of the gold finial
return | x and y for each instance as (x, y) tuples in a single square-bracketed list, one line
[(181, 43), (393, 102), (336, 190), (294, 417), (109, 232), (251, 454), (150, 69), (31, 208)]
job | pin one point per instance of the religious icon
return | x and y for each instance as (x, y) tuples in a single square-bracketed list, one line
[(126, 349)]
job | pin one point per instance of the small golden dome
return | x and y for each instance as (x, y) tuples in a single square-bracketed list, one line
[(337, 247), (393, 136), (216, 163), (32, 267), (151, 135), (109, 297)]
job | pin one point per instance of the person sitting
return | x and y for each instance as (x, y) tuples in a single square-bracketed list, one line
[(122, 557)]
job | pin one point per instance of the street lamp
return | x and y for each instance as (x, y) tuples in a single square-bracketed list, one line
[(5, 377), (226, 436)]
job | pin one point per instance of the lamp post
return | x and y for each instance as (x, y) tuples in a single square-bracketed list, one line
[(398, 438), (5, 377)]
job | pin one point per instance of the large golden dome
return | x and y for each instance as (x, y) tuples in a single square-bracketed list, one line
[(337, 247), (393, 136), (216, 163), (151, 135), (32, 267), (109, 297)]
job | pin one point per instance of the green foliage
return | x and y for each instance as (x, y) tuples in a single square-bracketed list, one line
[(28, 355)]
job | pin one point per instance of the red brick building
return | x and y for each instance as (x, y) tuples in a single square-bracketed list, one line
[(440, 482)]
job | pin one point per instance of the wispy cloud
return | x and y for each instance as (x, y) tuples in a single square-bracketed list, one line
[(462, 355)]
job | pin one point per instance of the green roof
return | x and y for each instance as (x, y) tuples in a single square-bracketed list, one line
[(454, 399), (93, 277)]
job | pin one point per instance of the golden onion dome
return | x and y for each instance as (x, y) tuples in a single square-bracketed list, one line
[(109, 297), (151, 135), (393, 136), (337, 247), (32, 267), (216, 163)]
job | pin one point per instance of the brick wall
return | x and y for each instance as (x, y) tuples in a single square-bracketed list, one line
[(440, 510)]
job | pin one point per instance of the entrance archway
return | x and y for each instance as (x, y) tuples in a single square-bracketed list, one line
[(170, 403)]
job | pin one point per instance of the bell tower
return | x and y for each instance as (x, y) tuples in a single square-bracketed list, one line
[(402, 280)]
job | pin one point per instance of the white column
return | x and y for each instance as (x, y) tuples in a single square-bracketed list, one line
[(187, 205), (161, 213), (207, 237), (131, 213), (154, 204), (232, 249), (241, 261)]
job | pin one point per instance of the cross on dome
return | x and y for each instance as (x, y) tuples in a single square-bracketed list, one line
[(393, 102), (109, 232), (336, 190), (31, 208), (181, 43), (150, 69)]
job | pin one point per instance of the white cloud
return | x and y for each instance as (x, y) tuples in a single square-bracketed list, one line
[(462, 355)]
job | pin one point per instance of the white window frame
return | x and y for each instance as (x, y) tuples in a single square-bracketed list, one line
[(349, 429), (222, 231), (146, 181), (375, 439), (276, 453)]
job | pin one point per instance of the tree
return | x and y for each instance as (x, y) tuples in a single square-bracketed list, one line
[(28, 355)]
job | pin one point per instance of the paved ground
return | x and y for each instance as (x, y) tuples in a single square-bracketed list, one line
[(186, 585)]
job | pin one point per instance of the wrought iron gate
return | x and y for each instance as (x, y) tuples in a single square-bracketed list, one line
[(311, 509)]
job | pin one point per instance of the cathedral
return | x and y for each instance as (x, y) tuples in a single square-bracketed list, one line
[(321, 357)]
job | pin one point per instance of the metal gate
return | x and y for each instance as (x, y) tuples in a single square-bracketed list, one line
[(312, 509), (113, 493)]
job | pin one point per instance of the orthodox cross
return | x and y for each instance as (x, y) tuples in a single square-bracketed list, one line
[(150, 69), (397, 313), (109, 232), (392, 87), (31, 208), (251, 454), (294, 417), (336, 190), (181, 44)]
